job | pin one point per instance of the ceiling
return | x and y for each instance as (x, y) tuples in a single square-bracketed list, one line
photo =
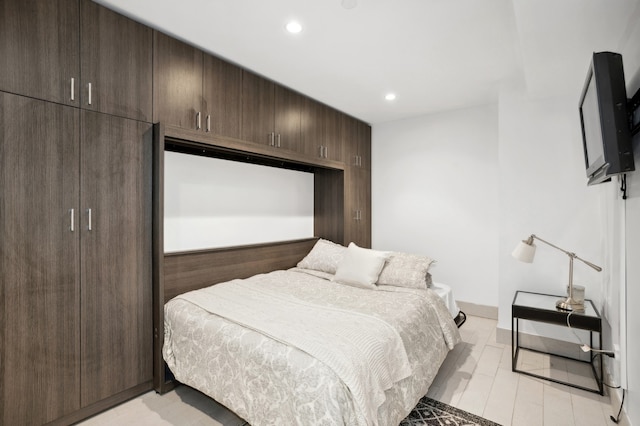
[(435, 55)]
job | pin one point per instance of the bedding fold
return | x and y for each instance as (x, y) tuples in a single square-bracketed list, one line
[(366, 352)]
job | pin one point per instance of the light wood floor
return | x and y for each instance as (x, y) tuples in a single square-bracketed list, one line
[(476, 377)]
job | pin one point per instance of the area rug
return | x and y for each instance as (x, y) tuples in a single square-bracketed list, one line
[(430, 412)]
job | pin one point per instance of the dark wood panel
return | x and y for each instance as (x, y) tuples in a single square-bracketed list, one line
[(357, 212), (39, 48), (117, 61), (222, 93), (322, 126), (333, 134), (177, 82), (288, 114), (328, 217), (257, 109), (39, 261), (192, 270), (116, 304)]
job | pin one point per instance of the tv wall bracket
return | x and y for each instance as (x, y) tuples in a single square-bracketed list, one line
[(634, 113)]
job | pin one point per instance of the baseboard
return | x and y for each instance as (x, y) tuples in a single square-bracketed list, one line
[(616, 399), (476, 310)]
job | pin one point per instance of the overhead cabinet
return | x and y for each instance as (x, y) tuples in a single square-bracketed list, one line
[(271, 113), (321, 131), (194, 90), (40, 51), (77, 53), (75, 267), (116, 63)]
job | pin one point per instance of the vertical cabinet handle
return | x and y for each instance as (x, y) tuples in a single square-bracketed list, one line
[(73, 89), (89, 215), (198, 120), (72, 219), (278, 139), (272, 139), (326, 152), (208, 129), (89, 93), (321, 150)]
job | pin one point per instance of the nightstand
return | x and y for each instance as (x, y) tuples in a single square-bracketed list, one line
[(542, 308)]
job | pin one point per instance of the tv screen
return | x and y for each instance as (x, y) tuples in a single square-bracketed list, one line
[(606, 135)]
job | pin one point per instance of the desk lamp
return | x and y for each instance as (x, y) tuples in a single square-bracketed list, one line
[(525, 252)]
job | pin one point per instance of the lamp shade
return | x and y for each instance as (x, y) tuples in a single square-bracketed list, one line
[(524, 252)]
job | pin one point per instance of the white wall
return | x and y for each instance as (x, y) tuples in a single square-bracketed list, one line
[(543, 191), (630, 49), (211, 203), (465, 186), (435, 192)]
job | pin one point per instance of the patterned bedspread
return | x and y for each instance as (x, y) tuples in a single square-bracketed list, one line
[(268, 382)]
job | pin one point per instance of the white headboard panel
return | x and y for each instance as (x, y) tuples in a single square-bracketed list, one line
[(210, 203)]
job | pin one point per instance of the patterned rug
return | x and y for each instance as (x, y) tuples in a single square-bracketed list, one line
[(430, 412)]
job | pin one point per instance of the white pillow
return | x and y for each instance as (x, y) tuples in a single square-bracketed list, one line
[(406, 270), (324, 257), (360, 267)]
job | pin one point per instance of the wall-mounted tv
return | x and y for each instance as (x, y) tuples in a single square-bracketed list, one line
[(606, 135)]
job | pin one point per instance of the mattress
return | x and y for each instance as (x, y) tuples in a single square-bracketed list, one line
[(445, 292), (268, 381)]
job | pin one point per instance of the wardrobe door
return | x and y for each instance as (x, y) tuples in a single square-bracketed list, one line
[(115, 202), (116, 63), (39, 261), (39, 49)]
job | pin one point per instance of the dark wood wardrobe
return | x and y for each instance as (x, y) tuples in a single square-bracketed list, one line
[(75, 210), (80, 87)]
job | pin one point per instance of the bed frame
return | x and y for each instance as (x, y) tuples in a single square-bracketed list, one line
[(186, 271)]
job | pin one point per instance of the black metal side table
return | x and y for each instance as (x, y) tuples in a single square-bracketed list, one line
[(542, 308)]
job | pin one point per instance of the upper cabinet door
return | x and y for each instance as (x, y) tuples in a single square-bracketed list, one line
[(333, 138), (116, 63), (321, 131), (177, 88), (222, 93), (258, 109), (288, 111), (39, 49)]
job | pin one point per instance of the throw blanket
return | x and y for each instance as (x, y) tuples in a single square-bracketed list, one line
[(365, 352)]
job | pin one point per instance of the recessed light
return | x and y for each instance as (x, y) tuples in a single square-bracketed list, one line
[(390, 96), (294, 27)]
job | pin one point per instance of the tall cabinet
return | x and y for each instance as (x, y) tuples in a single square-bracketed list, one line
[(357, 182), (75, 210), (75, 267)]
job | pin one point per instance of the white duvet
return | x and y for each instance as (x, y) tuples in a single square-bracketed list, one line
[(265, 355)]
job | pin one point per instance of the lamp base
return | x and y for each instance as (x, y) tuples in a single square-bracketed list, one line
[(569, 304)]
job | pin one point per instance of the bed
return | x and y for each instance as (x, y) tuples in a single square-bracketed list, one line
[(256, 346)]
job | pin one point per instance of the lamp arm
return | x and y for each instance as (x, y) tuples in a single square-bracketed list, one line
[(568, 253)]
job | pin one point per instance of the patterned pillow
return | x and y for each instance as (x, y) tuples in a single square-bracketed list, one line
[(324, 256), (406, 270)]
